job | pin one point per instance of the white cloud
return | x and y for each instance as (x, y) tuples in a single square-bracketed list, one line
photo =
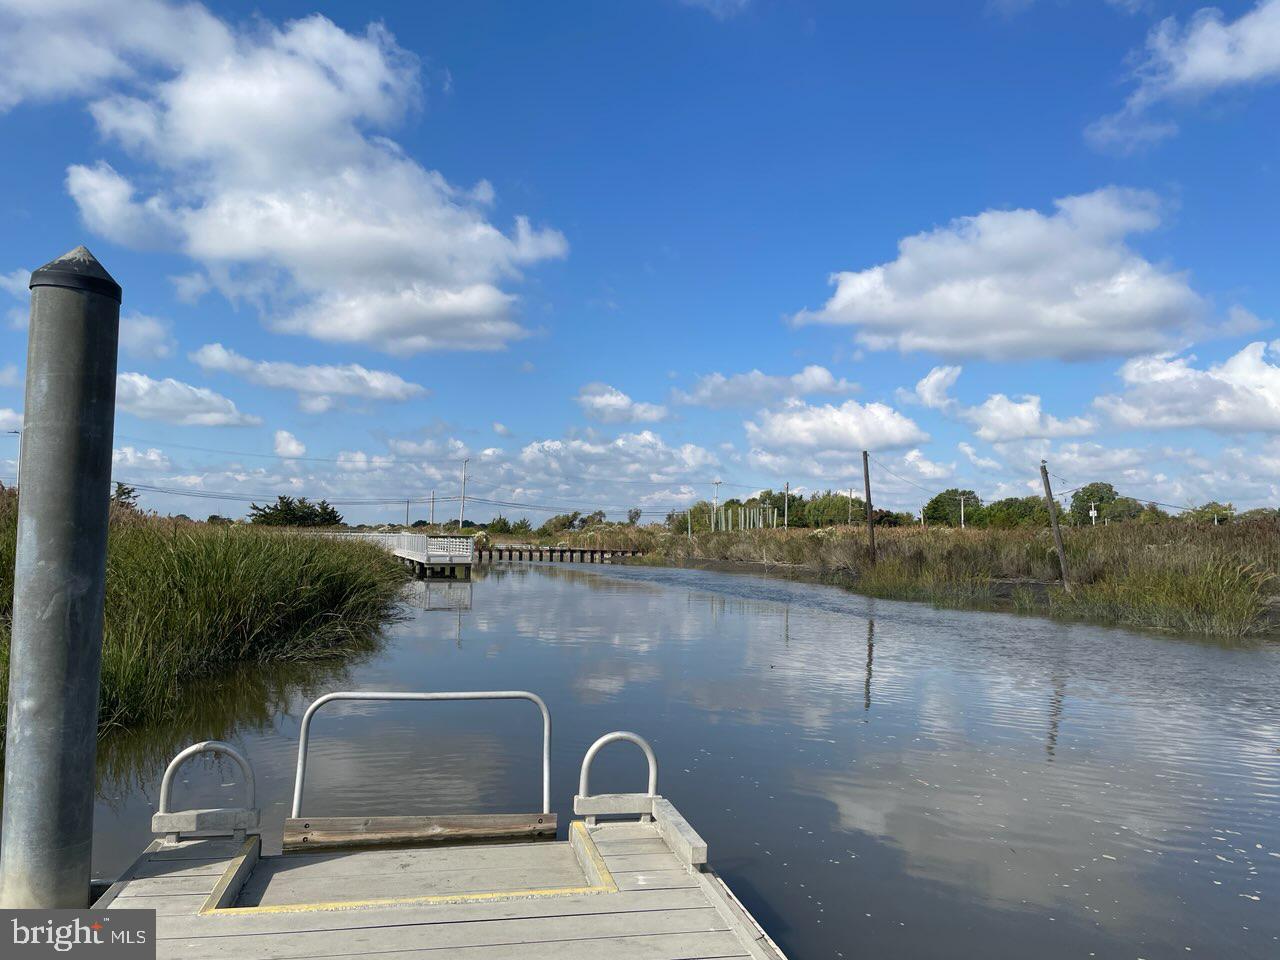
[(287, 445), (15, 282), (144, 336), (268, 148), (1011, 284), (10, 419), (931, 389), (849, 426), (1208, 54), (501, 429), (720, 9), (73, 47), (132, 458), (979, 461), (581, 462), (756, 389), (1001, 418), (1241, 393), (9, 376), (607, 404), (316, 385), (357, 461), (175, 402)]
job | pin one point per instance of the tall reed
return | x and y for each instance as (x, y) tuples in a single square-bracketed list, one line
[(186, 601)]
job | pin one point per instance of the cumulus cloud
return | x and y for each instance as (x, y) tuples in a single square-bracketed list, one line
[(975, 458), (266, 159), (720, 9), (1015, 284), (849, 426), (1002, 418), (15, 282), (932, 389), (1185, 62), (287, 445), (999, 417), (607, 404), (756, 389), (1241, 393), (172, 401), (132, 458), (315, 384), (576, 463), (146, 337)]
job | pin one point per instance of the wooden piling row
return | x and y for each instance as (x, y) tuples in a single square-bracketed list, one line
[(530, 552)]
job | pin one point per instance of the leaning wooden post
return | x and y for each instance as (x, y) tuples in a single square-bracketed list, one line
[(871, 527), (59, 581), (1053, 521)]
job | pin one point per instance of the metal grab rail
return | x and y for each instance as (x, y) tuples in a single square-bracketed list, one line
[(304, 732), (608, 738), (208, 746)]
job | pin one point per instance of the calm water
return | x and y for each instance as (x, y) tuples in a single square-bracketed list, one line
[(873, 778)]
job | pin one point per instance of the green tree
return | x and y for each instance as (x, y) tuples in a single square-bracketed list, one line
[(559, 523), (125, 496), (634, 515), (295, 512), (1211, 512), (1122, 509), (522, 527), (217, 521), (591, 520), (499, 524), (1014, 512), (1099, 493), (944, 508)]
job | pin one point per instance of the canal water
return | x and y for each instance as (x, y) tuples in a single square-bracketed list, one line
[(873, 778)]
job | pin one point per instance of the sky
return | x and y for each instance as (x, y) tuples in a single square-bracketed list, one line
[(610, 253)]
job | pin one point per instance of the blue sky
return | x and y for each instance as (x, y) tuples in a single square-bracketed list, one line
[(610, 252)]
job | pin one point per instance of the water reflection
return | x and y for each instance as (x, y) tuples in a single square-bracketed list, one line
[(974, 811)]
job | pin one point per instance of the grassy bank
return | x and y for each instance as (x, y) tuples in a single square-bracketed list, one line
[(189, 601), (1178, 576), (1188, 578)]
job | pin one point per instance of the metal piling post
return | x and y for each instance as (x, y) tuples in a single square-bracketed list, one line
[(59, 580)]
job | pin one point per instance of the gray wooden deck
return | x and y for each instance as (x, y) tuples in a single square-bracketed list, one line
[(615, 891)]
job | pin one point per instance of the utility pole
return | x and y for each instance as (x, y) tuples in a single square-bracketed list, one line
[(17, 469), (462, 508), (715, 503), (406, 513), (433, 508), (786, 505), (1093, 512), (59, 580), (850, 520), (866, 483), (962, 511), (688, 516), (1053, 520)]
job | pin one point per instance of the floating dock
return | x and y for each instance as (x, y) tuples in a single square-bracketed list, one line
[(475, 886)]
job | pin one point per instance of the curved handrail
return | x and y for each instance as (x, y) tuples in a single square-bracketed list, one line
[(608, 738), (304, 731), (207, 746)]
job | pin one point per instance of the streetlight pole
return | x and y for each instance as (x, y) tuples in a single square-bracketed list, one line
[(462, 508)]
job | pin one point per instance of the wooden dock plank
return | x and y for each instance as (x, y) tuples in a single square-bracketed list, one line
[(642, 861), (646, 845), (284, 888), (172, 906), (674, 879), (171, 886), (414, 860), (578, 905), (563, 931), (624, 831), (695, 946), (180, 869)]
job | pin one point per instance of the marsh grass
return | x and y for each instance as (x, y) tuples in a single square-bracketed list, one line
[(186, 601), (1177, 576)]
